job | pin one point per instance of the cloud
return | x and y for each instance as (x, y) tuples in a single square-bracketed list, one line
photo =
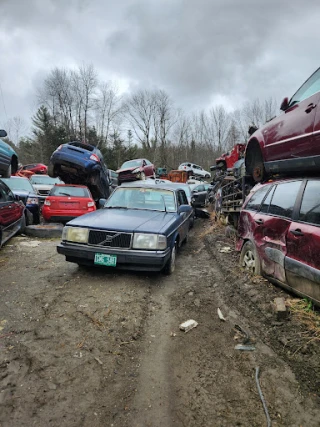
[(201, 51)]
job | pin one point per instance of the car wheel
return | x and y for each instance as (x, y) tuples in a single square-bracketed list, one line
[(142, 176), (23, 225), (171, 264), (254, 161), (7, 173), (250, 260), (51, 171)]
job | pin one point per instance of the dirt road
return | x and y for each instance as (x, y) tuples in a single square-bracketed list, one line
[(90, 347)]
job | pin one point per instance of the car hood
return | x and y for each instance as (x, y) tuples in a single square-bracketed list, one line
[(125, 220), (24, 193), (128, 169)]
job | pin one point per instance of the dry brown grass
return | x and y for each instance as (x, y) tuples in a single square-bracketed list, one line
[(214, 225), (302, 310)]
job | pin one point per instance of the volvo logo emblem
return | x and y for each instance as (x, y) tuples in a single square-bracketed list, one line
[(109, 238)]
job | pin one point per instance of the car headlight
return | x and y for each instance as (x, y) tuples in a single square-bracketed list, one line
[(149, 241), (136, 170), (75, 234), (32, 201)]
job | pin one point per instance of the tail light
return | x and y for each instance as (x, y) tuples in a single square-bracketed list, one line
[(90, 204), (47, 202), (94, 157)]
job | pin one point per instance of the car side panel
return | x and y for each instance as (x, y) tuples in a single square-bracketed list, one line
[(303, 259), (290, 135)]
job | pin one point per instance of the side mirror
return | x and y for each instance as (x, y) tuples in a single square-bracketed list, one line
[(3, 133), (183, 208), (102, 202), (284, 104), (194, 191)]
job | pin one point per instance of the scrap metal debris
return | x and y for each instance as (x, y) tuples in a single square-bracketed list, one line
[(189, 324), (225, 250), (247, 344)]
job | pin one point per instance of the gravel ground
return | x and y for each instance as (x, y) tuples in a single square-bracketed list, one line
[(96, 347)]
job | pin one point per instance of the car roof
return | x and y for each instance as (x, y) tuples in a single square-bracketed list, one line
[(143, 184), (71, 185), (16, 177)]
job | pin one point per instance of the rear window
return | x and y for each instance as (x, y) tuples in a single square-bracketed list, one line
[(310, 207), (284, 198), (69, 191), (256, 199)]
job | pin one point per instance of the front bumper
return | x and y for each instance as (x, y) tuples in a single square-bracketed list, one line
[(128, 259)]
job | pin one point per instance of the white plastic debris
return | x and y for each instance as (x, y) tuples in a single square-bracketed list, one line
[(225, 250), (221, 316), (189, 324)]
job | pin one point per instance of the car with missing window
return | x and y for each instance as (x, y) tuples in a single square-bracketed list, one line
[(8, 158), (12, 216), (196, 170), (82, 164), (279, 234), (67, 201), (135, 169), (23, 190), (141, 227), (199, 194), (290, 142)]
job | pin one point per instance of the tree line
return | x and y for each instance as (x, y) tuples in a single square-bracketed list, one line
[(76, 105)]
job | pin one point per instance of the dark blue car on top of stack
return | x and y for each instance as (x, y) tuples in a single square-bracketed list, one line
[(80, 163)]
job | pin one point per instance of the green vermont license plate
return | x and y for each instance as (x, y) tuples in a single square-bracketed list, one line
[(107, 260)]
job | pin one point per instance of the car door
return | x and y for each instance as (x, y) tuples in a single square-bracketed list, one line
[(10, 211), (5, 157), (271, 226), (302, 261), (184, 225), (199, 194), (290, 135)]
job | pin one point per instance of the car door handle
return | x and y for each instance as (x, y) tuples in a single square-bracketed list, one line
[(259, 221), (297, 232), (310, 108)]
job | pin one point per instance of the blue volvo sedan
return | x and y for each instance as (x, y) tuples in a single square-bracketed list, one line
[(8, 158), (140, 227)]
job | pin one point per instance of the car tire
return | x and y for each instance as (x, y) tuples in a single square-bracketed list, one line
[(250, 260), (142, 176), (171, 264), (51, 171), (7, 173), (23, 224)]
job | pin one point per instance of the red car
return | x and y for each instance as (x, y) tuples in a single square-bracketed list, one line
[(290, 142), (133, 170), (12, 216), (279, 234), (66, 201), (37, 168)]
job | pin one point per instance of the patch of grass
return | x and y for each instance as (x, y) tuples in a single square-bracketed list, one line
[(304, 311)]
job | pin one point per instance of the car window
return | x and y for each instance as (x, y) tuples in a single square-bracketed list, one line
[(309, 88), (284, 198), (265, 204), (182, 198), (131, 164), (19, 184), (200, 188), (5, 193), (69, 191), (256, 199), (310, 206)]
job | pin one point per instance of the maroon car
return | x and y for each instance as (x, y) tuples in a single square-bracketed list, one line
[(279, 234), (290, 142), (133, 170)]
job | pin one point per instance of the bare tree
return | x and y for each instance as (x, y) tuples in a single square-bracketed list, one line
[(108, 108), (16, 128), (88, 81), (140, 110), (222, 121)]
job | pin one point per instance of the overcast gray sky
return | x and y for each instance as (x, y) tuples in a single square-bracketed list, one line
[(202, 52)]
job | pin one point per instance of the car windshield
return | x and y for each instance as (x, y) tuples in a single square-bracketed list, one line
[(18, 184), (131, 164), (44, 180), (69, 191), (154, 199)]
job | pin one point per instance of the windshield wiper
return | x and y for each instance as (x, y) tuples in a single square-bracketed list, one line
[(116, 207), (65, 194)]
